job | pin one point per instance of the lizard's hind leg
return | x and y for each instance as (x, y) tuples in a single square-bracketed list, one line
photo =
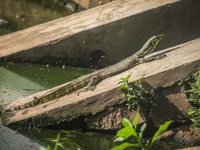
[(93, 81)]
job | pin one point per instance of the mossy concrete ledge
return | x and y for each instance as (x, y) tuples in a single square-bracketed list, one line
[(112, 31), (100, 109)]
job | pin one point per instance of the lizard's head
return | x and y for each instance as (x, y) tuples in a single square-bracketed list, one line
[(150, 45), (155, 39)]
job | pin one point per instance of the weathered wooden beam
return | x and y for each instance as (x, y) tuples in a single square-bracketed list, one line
[(181, 60), (115, 30)]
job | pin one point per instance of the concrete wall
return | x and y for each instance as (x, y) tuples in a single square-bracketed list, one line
[(113, 31)]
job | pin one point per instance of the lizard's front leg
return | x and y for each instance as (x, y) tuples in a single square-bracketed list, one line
[(143, 60), (93, 81)]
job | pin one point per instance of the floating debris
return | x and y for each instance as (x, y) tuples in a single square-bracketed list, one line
[(2, 21)]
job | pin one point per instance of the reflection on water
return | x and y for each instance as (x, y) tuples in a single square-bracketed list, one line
[(77, 140), (71, 140)]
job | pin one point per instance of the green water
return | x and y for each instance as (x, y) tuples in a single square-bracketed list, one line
[(21, 14), (46, 75), (20, 80), (71, 140), (13, 86), (77, 140)]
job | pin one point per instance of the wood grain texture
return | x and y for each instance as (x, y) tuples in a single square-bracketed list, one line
[(75, 37), (179, 63)]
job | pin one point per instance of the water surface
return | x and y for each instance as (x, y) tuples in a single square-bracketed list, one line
[(21, 14), (20, 80)]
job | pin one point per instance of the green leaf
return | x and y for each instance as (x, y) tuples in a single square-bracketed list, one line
[(136, 118), (57, 141), (143, 127), (120, 82), (119, 139), (126, 123), (122, 78), (147, 144), (43, 148), (48, 147), (128, 76), (162, 129), (122, 87), (126, 132), (130, 88), (124, 145)]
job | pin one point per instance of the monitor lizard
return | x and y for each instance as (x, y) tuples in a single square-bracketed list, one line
[(90, 80)]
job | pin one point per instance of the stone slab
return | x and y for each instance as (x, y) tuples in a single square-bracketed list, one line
[(171, 104), (180, 62), (9, 139)]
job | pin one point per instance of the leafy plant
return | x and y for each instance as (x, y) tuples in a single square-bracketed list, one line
[(139, 94), (194, 98), (130, 130), (56, 145)]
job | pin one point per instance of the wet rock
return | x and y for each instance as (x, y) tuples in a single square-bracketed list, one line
[(171, 104), (183, 134), (111, 118), (190, 148)]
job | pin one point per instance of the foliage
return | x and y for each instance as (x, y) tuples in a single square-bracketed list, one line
[(195, 89), (56, 145), (194, 114), (130, 130), (194, 98), (139, 95)]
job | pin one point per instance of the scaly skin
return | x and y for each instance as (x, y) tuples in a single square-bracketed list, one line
[(92, 79)]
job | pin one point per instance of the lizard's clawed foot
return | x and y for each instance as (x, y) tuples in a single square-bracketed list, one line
[(160, 56), (36, 100), (152, 58), (91, 88), (163, 55)]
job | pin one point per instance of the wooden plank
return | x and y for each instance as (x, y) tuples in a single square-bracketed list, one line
[(181, 60), (122, 24)]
